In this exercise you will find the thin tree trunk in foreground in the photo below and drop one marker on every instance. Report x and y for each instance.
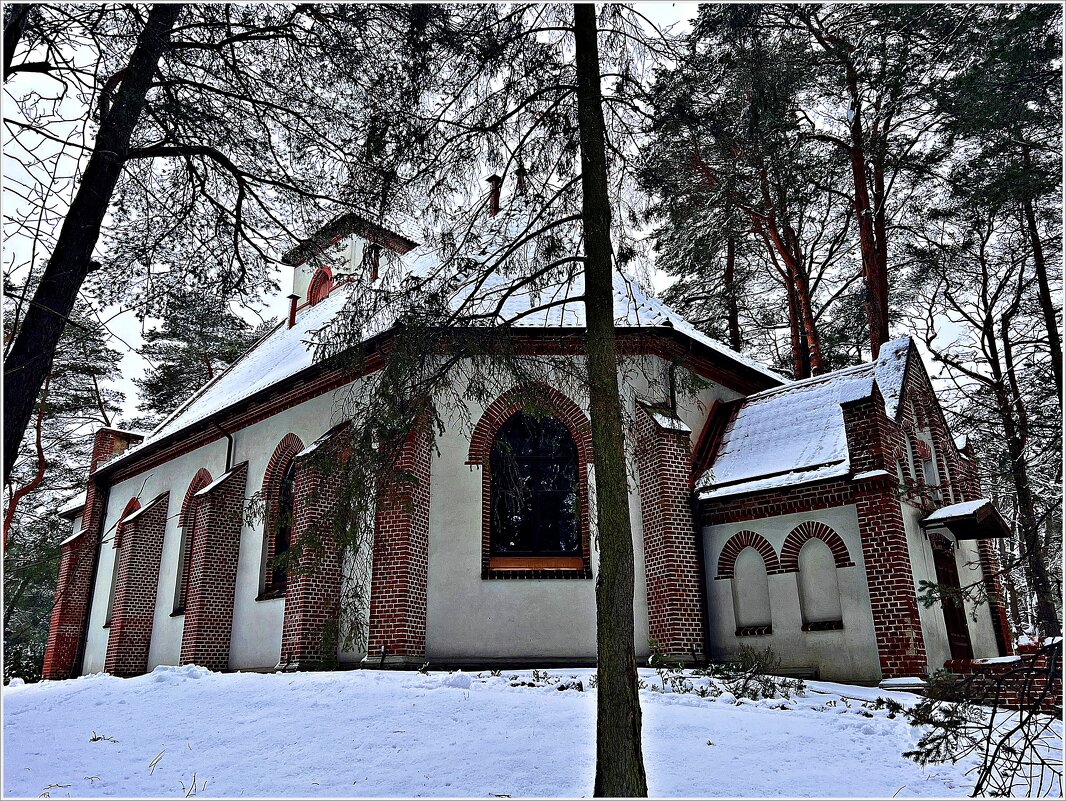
(1047, 305)
(732, 312)
(619, 760)
(30, 358)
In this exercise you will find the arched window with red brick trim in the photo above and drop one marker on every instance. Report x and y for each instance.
(534, 447)
(279, 499)
(321, 283)
(187, 527)
(535, 507)
(132, 506)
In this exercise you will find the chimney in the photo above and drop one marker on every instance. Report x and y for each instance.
(494, 194)
(293, 300)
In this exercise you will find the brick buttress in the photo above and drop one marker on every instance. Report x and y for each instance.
(213, 574)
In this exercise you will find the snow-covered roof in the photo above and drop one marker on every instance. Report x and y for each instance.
(956, 510)
(75, 504)
(795, 434)
(283, 352)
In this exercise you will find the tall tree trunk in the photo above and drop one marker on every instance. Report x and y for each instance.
(732, 312)
(1047, 305)
(619, 758)
(1015, 433)
(875, 281)
(803, 299)
(18, 14)
(30, 358)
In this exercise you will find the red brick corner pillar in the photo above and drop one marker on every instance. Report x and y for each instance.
(213, 576)
(671, 555)
(893, 599)
(140, 553)
(313, 594)
(397, 635)
(77, 563)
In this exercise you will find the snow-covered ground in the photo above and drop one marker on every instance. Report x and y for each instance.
(369, 733)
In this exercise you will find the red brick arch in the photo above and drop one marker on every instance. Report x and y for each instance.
(737, 543)
(131, 506)
(188, 508)
(284, 453)
(812, 530)
(321, 284)
(499, 412)
(514, 400)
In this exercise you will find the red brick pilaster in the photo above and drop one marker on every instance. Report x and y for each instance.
(671, 558)
(313, 592)
(213, 575)
(139, 540)
(893, 600)
(401, 560)
(77, 562)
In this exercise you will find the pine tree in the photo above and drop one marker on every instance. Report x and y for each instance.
(199, 338)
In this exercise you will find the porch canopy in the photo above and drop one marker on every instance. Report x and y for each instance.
(971, 520)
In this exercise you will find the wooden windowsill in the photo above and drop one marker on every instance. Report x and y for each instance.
(536, 563)
(272, 595)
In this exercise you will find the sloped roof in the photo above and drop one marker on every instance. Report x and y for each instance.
(795, 433)
(284, 352)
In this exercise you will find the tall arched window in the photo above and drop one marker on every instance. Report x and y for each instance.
(279, 511)
(818, 588)
(131, 506)
(751, 594)
(535, 506)
(187, 525)
(279, 572)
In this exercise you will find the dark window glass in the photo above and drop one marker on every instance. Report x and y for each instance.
(534, 489)
(283, 528)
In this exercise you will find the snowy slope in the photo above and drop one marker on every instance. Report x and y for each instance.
(368, 733)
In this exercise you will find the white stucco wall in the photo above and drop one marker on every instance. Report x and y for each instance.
(467, 617)
(848, 654)
(471, 618)
(256, 635)
(934, 630)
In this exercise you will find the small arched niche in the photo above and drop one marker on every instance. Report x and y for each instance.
(818, 588)
(751, 594)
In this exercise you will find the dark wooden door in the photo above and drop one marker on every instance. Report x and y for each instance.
(947, 574)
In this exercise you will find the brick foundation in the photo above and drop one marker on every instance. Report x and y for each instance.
(77, 565)
(671, 556)
(397, 632)
(139, 540)
(1033, 681)
(313, 594)
(213, 574)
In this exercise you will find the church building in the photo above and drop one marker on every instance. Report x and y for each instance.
(802, 515)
